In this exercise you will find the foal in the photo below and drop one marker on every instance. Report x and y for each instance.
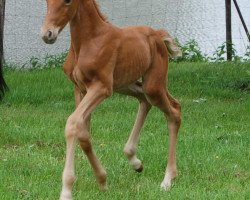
(104, 58)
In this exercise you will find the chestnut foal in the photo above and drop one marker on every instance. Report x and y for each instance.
(104, 58)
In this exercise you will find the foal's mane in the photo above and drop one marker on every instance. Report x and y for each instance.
(103, 17)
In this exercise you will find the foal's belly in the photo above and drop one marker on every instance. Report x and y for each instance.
(132, 62)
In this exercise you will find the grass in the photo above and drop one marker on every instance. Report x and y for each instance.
(213, 144)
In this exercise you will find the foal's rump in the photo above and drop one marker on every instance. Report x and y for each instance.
(143, 32)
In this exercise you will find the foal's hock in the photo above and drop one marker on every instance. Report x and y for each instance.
(104, 58)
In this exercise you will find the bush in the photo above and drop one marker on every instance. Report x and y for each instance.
(191, 52)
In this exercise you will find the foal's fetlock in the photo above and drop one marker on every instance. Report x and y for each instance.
(66, 196)
(129, 152)
(102, 180)
(169, 177)
(68, 178)
(68, 181)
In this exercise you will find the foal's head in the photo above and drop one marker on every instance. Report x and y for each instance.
(59, 13)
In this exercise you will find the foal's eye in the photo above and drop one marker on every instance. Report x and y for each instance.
(67, 1)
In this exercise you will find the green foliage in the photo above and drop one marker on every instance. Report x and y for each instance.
(220, 54)
(246, 57)
(55, 61)
(213, 155)
(192, 53)
(50, 61)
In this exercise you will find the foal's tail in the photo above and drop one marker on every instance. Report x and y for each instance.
(173, 49)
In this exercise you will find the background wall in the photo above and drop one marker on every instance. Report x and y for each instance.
(201, 20)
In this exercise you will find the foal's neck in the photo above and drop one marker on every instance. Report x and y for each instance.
(87, 23)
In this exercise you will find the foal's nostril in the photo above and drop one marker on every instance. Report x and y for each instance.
(50, 34)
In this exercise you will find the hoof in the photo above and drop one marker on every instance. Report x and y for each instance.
(136, 164)
(103, 187)
(166, 185)
(140, 169)
(65, 196)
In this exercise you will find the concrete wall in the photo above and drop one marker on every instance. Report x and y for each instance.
(201, 20)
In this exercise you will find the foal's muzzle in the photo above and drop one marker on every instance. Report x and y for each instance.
(49, 36)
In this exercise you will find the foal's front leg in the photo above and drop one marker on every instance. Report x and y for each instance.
(77, 128)
(78, 98)
(78, 95)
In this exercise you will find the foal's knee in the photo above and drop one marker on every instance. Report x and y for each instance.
(70, 129)
(77, 128)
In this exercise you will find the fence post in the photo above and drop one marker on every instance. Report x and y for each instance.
(2, 15)
(242, 19)
(229, 30)
(3, 86)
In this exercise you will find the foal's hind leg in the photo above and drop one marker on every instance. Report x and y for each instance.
(136, 91)
(155, 90)
(174, 122)
(130, 147)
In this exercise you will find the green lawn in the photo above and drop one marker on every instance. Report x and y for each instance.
(213, 144)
